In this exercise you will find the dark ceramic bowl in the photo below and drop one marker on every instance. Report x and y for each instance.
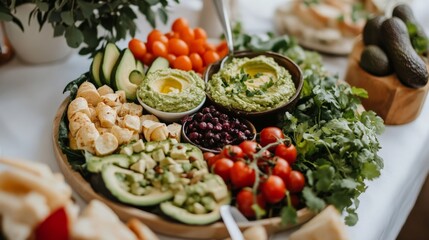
(186, 139)
(270, 116)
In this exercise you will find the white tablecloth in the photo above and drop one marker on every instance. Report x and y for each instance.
(31, 94)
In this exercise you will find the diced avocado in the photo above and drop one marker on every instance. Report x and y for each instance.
(175, 168)
(216, 186)
(199, 209)
(167, 161)
(115, 186)
(139, 166)
(169, 178)
(122, 72)
(194, 153)
(110, 57)
(208, 202)
(157, 64)
(182, 215)
(95, 69)
(95, 164)
(158, 155)
(165, 146)
(151, 146)
(178, 151)
(180, 198)
(138, 146)
(150, 163)
(127, 150)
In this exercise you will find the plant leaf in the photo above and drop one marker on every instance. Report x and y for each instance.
(67, 18)
(163, 15)
(73, 36)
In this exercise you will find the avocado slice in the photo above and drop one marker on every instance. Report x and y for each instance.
(95, 69)
(182, 215)
(115, 186)
(95, 164)
(110, 56)
(124, 72)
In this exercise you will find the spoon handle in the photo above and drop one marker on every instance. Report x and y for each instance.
(231, 225)
(226, 25)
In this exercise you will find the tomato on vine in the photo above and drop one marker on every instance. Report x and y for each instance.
(242, 175)
(248, 147)
(270, 135)
(287, 152)
(222, 167)
(245, 200)
(281, 169)
(273, 189)
(295, 181)
(233, 152)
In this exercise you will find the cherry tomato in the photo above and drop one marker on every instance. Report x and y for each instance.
(54, 227)
(222, 167)
(248, 147)
(242, 175)
(178, 47)
(197, 46)
(270, 135)
(208, 155)
(288, 153)
(210, 57)
(294, 199)
(183, 63)
(148, 59)
(153, 36)
(282, 169)
(171, 35)
(211, 161)
(273, 189)
(159, 49)
(170, 57)
(209, 46)
(186, 34)
(137, 47)
(200, 33)
(233, 152)
(295, 182)
(221, 46)
(197, 61)
(245, 200)
(179, 24)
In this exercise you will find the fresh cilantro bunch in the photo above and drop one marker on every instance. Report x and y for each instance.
(336, 139)
(337, 143)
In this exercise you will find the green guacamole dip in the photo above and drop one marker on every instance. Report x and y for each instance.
(251, 85)
(172, 90)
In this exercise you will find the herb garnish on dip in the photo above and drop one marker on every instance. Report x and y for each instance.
(172, 90)
(251, 85)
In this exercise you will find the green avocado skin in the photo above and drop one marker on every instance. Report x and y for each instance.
(371, 30)
(407, 64)
(405, 13)
(375, 61)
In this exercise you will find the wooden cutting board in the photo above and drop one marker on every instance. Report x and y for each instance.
(157, 223)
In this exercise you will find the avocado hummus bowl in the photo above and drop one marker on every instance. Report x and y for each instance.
(254, 85)
(171, 94)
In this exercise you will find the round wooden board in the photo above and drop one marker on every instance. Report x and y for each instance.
(157, 223)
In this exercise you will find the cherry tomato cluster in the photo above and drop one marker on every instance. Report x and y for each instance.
(261, 172)
(185, 48)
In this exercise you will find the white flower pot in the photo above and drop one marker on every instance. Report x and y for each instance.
(34, 46)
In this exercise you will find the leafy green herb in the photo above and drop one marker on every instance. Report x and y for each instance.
(336, 141)
(418, 39)
(80, 20)
(311, 2)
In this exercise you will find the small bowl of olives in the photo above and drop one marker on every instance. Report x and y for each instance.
(210, 130)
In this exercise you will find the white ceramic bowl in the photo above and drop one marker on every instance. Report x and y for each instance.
(170, 116)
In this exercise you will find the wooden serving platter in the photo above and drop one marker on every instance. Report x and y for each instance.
(155, 222)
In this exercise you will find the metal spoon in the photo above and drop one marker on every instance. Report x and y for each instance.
(231, 225)
(222, 13)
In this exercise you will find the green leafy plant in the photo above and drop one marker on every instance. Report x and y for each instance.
(79, 20)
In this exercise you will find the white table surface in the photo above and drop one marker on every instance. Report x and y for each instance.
(31, 94)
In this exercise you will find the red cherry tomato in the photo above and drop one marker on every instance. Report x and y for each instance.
(179, 24)
(294, 199)
(245, 200)
(178, 47)
(137, 47)
(222, 167)
(274, 189)
(233, 152)
(159, 49)
(295, 182)
(54, 227)
(208, 155)
(282, 169)
(211, 161)
(288, 153)
(248, 147)
(242, 175)
(270, 135)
